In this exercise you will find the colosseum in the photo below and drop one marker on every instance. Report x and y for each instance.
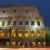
(21, 26)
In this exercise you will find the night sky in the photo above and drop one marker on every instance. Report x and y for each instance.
(42, 5)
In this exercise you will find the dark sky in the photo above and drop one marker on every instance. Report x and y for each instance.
(42, 5)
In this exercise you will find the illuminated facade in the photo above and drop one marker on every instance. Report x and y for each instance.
(21, 26)
(47, 37)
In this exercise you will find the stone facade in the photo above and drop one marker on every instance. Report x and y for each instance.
(21, 25)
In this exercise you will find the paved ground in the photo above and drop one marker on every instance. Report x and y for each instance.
(24, 48)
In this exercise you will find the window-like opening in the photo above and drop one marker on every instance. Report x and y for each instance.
(20, 22)
(14, 23)
(26, 22)
(9, 22)
(32, 23)
(3, 11)
(38, 23)
(27, 10)
(3, 22)
(14, 10)
(20, 33)
(26, 33)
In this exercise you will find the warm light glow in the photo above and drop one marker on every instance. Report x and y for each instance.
(44, 34)
(26, 34)
(39, 43)
(1, 34)
(8, 34)
(8, 43)
(21, 26)
(32, 33)
(13, 43)
(19, 43)
(34, 43)
(13, 33)
(38, 34)
(19, 34)
(44, 43)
